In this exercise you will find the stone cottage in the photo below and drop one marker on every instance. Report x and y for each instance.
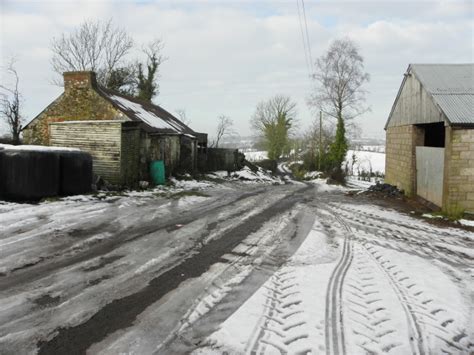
(430, 136)
(123, 134)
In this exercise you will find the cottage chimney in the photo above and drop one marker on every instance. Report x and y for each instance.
(76, 80)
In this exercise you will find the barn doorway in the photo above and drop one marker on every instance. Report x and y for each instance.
(430, 162)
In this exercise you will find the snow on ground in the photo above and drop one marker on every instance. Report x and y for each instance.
(400, 285)
(286, 322)
(366, 161)
(394, 295)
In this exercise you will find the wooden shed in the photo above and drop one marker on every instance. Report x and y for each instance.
(430, 136)
(123, 134)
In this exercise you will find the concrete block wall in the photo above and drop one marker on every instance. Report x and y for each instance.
(459, 172)
(400, 158)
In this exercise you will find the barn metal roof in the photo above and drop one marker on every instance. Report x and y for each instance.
(452, 89)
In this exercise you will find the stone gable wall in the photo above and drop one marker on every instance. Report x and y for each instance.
(75, 104)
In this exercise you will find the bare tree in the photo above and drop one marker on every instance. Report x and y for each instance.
(224, 128)
(181, 113)
(340, 77)
(10, 103)
(94, 45)
(274, 119)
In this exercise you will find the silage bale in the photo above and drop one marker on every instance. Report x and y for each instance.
(29, 175)
(1, 172)
(75, 173)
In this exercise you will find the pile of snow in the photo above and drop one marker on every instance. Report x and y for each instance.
(365, 161)
(466, 222)
(190, 184)
(37, 148)
(246, 175)
(311, 175)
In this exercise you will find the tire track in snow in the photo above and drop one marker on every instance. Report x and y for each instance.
(434, 318)
(280, 327)
(335, 339)
(370, 310)
(433, 325)
(416, 340)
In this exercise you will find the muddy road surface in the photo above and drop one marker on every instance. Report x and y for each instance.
(236, 269)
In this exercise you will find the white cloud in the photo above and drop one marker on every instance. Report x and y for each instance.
(224, 57)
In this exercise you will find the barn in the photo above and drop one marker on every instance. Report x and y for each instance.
(123, 134)
(430, 136)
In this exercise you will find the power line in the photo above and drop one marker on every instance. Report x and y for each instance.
(305, 49)
(307, 39)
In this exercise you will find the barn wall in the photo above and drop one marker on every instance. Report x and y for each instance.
(130, 156)
(102, 139)
(414, 105)
(79, 102)
(459, 172)
(400, 157)
(161, 147)
(188, 154)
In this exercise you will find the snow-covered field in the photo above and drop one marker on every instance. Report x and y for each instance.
(365, 161)
(254, 156)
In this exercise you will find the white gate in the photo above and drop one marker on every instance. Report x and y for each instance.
(430, 174)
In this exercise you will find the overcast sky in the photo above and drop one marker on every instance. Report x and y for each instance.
(226, 56)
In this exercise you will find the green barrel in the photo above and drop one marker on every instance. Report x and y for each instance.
(157, 172)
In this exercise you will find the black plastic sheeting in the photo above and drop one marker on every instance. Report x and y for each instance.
(29, 175)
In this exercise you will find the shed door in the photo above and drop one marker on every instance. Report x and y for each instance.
(430, 174)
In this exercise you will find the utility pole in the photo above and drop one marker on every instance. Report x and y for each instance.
(320, 139)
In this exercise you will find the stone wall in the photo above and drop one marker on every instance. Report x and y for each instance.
(459, 171)
(79, 102)
(400, 158)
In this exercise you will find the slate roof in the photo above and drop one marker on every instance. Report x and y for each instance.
(155, 119)
(452, 88)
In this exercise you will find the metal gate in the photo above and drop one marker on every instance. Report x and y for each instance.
(430, 174)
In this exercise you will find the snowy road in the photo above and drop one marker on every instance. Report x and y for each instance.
(260, 269)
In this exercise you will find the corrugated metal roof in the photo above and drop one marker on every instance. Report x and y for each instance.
(452, 89)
